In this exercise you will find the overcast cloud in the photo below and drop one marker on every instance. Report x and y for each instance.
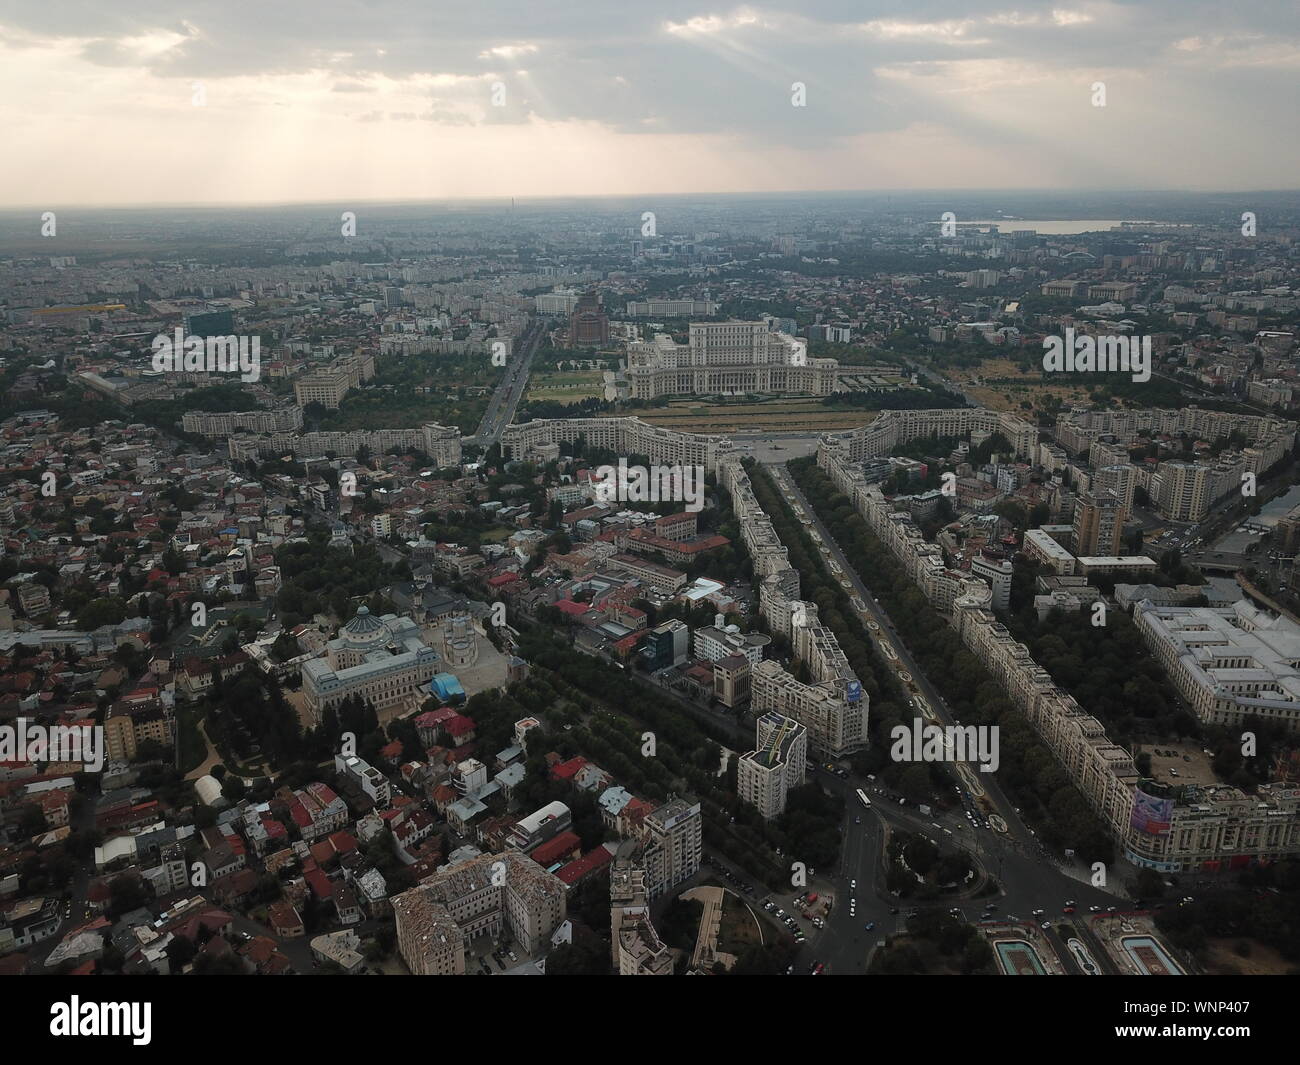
(375, 100)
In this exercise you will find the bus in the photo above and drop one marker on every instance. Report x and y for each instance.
(862, 798)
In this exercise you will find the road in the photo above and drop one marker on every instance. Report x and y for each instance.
(505, 400)
(1000, 804)
(1029, 877)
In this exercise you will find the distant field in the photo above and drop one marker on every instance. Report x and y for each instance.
(1002, 386)
(565, 387)
(778, 415)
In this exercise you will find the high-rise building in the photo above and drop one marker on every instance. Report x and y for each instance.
(998, 575)
(674, 845)
(635, 945)
(588, 324)
(666, 645)
(777, 764)
(731, 680)
(1119, 480)
(1183, 490)
(836, 727)
(1098, 525)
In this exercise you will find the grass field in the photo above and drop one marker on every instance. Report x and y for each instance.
(565, 387)
(1260, 959)
(740, 927)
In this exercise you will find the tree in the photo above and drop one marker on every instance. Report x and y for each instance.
(32, 821)
(180, 952)
(586, 956)
(223, 965)
(125, 893)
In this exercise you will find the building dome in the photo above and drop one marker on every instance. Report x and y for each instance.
(364, 623)
(363, 633)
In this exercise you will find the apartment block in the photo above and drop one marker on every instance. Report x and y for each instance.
(635, 945)
(1205, 829)
(674, 845)
(778, 764)
(478, 897)
(1098, 524)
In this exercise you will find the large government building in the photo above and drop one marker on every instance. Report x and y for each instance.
(1229, 663)
(382, 660)
(727, 358)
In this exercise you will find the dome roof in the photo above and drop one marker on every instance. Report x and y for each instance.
(364, 624)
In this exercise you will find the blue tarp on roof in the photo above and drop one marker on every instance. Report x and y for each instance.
(446, 685)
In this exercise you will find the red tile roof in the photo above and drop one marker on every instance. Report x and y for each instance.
(584, 866)
(553, 850)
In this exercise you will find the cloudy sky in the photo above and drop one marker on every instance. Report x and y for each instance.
(337, 100)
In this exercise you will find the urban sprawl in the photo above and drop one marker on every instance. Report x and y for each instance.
(512, 590)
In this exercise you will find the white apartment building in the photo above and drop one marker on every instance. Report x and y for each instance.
(1042, 547)
(713, 644)
(221, 424)
(1229, 663)
(833, 708)
(1118, 480)
(624, 436)
(894, 427)
(778, 763)
(440, 442)
(674, 845)
(369, 779)
(329, 385)
(561, 301)
(1270, 438)
(998, 577)
(1183, 490)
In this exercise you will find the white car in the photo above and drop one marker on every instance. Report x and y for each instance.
(853, 883)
